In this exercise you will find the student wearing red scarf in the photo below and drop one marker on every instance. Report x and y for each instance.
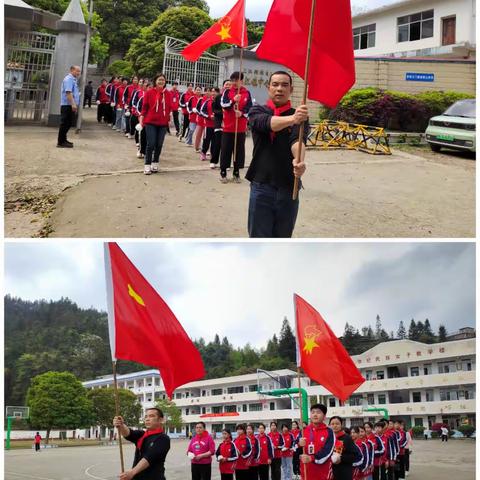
(277, 442)
(361, 470)
(200, 451)
(276, 161)
(184, 98)
(318, 442)
(156, 109)
(206, 111)
(266, 452)
(227, 455)
(297, 434)
(346, 454)
(244, 448)
(152, 447)
(255, 456)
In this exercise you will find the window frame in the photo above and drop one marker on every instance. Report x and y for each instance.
(410, 21)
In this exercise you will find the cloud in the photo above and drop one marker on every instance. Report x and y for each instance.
(243, 290)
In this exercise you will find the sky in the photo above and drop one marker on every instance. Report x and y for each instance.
(257, 10)
(244, 290)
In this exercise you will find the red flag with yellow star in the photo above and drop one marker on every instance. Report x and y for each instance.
(321, 355)
(142, 328)
(232, 28)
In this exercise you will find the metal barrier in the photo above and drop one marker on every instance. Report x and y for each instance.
(28, 74)
(349, 136)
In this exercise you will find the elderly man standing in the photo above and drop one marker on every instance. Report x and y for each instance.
(70, 100)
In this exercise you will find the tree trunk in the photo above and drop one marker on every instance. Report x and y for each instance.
(48, 436)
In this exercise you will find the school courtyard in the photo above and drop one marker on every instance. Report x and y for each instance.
(431, 460)
(97, 189)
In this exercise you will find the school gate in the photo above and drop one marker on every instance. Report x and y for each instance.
(28, 73)
(208, 71)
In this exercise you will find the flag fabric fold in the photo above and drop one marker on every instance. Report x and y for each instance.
(321, 355)
(332, 65)
(142, 328)
(232, 28)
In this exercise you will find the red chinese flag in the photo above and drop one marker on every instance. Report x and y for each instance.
(232, 28)
(142, 327)
(321, 355)
(285, 41)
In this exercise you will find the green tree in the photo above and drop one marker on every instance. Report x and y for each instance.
(287, 345)
(401, 332)
(121, 68)
(201, 4)
(147, 49)
(103, 406)
(254, 33)
(58, 400)
(378, 327)
(412, 330)
(173, 414)
(442, 333)
(272, 347)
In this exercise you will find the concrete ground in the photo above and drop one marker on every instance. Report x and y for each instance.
(431, 460)
(97, 190)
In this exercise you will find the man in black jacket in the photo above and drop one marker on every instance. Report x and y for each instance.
(152, 447)
(276, 160)
(218, 125)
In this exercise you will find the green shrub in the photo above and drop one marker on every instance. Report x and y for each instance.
(467, 430)
(121, 68)
(435, 434)
(418, 430)
(391, 109)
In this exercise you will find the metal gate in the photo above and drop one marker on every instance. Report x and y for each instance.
(208, 71)
(28, 73)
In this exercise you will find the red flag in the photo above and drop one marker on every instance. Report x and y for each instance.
(142, 327)
(285, 41)
(232, 28)
(321, 355)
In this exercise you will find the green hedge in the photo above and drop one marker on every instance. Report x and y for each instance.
(417, 431)
(391, 109)
(467, 430)
(121, 68)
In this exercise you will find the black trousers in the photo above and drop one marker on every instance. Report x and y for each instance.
(253, 473)
(228, 141)
(391, 472)
(201, 471)
(407, 459)
(296, 461)
(37, 447)
(186, 123)
(216, 146)
(400, 467)
(143, 141)
(207, 139)
(176, 122)
(67, 121)
(444, 438)
(133, 124)
(87, 100)
(276, 467)
(263, 472)
(155, 136)
(128, 120)
(226, 476)
(241, 475)
(103, 111)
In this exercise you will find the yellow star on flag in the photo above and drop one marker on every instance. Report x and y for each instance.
(224, 32)
(309, 344)
(135, 296)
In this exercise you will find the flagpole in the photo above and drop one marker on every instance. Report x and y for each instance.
(305, 90)
(117, 413)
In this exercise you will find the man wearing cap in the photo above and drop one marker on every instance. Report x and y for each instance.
(318, 442)
(152, 447)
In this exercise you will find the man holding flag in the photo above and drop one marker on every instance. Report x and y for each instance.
(152, 446)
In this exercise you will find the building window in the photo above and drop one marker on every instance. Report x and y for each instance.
(429, 395)
(364, 37)
(253, 388)
(331, 402)
(178, 395)
(204, 410)
(355, 400)
(382, 399)
(414, 372)
(235, 390)
(204, 393)
(218, 409)
(244, 407)
(217, 391)
(418, 422)
(446, 395)
(415, 27)
(427, 369)
(368, 375)
(272, 405)
(380, 374)
(371, 399)
(255, 407)
(416, 397)
(230, 408)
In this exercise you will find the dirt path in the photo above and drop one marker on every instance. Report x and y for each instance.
(97, 190)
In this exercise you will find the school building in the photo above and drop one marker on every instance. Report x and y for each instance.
(419, 383)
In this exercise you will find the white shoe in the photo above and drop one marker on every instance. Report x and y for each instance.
(407, 473)
(137, 144)
(127, 135)
(179, 139)
(139, 155)
(212, 166)
(154, 167)
(114, 127)
(147, 170)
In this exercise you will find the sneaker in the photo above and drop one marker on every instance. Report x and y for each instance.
(137, 144)
(209, 155)
(197, 150)
(64, 145)
(139, 154)
(203, 157)
(127, 135)
(180, 139)
(212, 166)
(236, 177)
(147, 170)
(114, 127)
(70, 143)
(406, 474)
(154, 167)
(189, 144)
(223, 180)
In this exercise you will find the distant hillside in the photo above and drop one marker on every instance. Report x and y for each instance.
(58, 335)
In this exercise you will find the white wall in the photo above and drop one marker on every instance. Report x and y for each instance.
(386, 26)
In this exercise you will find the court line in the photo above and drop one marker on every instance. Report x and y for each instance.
(30, 476)
(91, 475)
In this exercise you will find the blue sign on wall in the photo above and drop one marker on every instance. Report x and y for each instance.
(419, 77)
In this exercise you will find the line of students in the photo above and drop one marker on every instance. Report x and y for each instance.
(318, 451)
